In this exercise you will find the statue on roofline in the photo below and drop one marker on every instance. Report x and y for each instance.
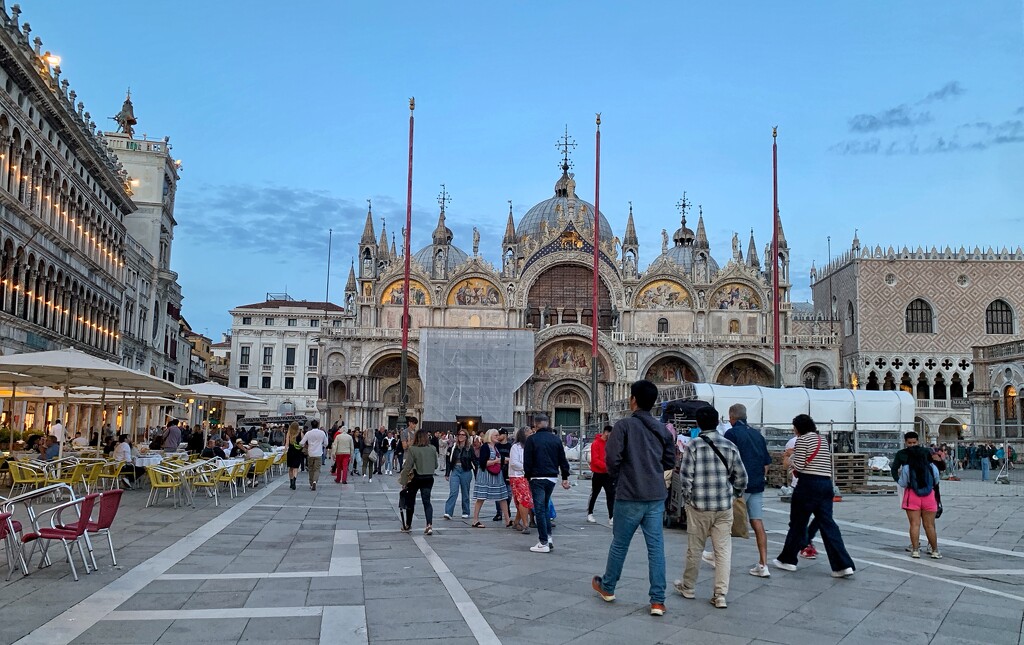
(126, 117)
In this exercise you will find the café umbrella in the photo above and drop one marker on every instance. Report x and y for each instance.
(71, 368)
(14, 379)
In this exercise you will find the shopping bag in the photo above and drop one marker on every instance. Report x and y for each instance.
(740, 526)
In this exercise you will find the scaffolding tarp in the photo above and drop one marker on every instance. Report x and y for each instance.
(473, 372)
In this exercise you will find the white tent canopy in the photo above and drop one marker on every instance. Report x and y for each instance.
(211, 390)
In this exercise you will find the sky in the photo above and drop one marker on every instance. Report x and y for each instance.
(899, 120)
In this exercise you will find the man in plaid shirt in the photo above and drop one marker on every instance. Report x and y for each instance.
(710, 483)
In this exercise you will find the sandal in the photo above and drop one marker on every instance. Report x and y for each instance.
(509, 525)
(406, 529)
(478, 525)
(428, 531)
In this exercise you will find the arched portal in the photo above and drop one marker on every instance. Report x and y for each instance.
(336, 392)
(563, 294)
(950, 430)
(745, 371)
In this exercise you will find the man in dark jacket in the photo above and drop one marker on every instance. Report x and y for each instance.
(754, 454)
(637, 455)
(543, 460)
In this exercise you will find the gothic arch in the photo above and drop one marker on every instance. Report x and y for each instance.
(568, 383)
(745, 369)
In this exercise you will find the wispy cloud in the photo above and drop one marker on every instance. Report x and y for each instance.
(963, 137)
(901, 116)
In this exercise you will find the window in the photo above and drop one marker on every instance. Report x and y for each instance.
(269, 322)
(311, 383)
(336, 323)
(266, 383)
(314, 323)
(246, 320)
(293, 322)
(243, 382)
(243, 357)
(268, 355)
(848, 323)
(919, 317)
(289, 382)
(663, 325)
(289, 356)
(999, 318)
(314, 356)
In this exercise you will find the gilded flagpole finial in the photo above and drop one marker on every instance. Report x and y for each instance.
(599, 119)
(412, 103)
(775, 131)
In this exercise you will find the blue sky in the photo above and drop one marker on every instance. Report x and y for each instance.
(904, 120)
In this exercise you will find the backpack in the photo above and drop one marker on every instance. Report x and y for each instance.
(924, 488)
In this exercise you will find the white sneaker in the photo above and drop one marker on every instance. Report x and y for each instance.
(364, 475)
(465, 516)
(551, 544)
(689, 594)
(761, 571)
(447, 516)
(843, 573)
(590, 518)
(784, 566)
(611, 521)
(708, 557)
(540, 548)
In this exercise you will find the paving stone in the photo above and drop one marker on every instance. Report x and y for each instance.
(278, 629)
(203, 631)
(109, 632)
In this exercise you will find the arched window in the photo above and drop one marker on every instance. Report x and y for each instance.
(662, 325)
(849, 318)
(999, 318)
(919, 317)
(734, 326)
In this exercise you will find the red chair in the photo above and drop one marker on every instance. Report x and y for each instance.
(66, 533)
(9, 528)
(109, 502)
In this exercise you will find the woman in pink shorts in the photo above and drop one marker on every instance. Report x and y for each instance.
(919, 477)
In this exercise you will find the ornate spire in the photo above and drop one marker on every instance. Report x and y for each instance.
(510, 228)
(369, 237)
(752, 259)
(701, 240)
(350, 286)
(630, 239)
(566, 185)
(394, 251)
(782, 234)
(856, 241)
(442, 234)
(683, 236)
(382, 245)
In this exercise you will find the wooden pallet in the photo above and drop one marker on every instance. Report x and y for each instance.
(872, 490)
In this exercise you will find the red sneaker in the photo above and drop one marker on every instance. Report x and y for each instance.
(657, 609)
(596, 584)
(809, 552)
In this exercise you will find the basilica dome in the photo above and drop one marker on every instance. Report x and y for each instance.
(685, 256)
(424, 257)
(551, 209)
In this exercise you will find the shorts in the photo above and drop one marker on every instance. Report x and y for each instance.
(914, 502)
(755, 505)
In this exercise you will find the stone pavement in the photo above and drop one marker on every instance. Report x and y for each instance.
(278, 566)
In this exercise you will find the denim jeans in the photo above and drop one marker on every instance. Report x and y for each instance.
(813, 496)
(389, 461)
(985, 464)
(540, 490)
(357, 462)
(629, 516)
(459, 480)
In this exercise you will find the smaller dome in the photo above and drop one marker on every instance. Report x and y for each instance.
(683, 235)
(684, 257)
(425, 257)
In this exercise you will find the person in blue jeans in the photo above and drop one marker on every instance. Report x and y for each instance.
(638, 452)
(459, 474)
(543, 461)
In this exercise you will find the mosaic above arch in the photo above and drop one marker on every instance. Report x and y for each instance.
(566, 357)
(663, 294)
(735, 296)
(671, 370)
(418, 294)
(475, 292)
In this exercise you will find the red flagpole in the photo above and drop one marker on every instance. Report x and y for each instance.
(776, 304)
(404, 384)
(596, 296)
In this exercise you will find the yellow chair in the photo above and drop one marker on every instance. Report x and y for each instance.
(161, 480)
(260, 468)
(208, 479)
(91, 479)
(227, 476)
(110, 473)
(26, 477)
(70, 474)
(280, 463)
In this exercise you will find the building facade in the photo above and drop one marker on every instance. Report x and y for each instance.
(684, 317)
(158, 343)
(909, 318)
(995, 402)
(64, 201)
(275, 355)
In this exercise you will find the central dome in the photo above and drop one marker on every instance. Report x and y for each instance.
(550, 210)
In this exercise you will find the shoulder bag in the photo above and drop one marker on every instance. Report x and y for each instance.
(740, 525)
(494, 469)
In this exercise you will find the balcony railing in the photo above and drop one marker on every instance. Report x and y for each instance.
(956, 403)
(721, 339)
(289, 369)
(1012, 349)
(375, 333)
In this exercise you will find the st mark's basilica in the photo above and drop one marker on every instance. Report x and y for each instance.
(685, 317)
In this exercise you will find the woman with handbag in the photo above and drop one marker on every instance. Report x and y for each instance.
(421, 458)
(371, 454)
(490, 483)
(458, 473)
(812, 461)
(520, 486)
(357, 451)
(294, 456)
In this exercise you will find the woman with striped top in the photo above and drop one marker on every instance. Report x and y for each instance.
(812, 460)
